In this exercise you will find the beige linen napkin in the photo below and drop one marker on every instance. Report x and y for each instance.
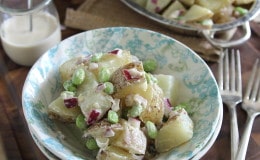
(94, 14)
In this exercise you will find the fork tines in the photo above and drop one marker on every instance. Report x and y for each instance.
(232, 71)
(253, 83)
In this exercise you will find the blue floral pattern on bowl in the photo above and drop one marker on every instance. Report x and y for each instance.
(197, 83)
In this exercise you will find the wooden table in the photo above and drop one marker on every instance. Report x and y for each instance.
(19, 144)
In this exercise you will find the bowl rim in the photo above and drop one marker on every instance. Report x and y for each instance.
(126, 28)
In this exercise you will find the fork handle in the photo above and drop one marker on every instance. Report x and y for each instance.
(234, 132)
(241, 154)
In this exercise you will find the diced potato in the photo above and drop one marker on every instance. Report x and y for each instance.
(57, 110)
(176, 131)
(214, 5)
(188, 2)
(224, 15)
(154, 110)
(197, 13)
(114, 61)
(126, 86)
(156, 6)
(94, 101)
(89, 84)
(67, 69)
(170, 12)
(131, 139)
(169, 86)
(114, 153)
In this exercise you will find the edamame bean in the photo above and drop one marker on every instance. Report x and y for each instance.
(135, 111)
(69, 86)
(150, 78)
(91, 143)
(109, 88)
(151, 129)
(78, 76)
(112, 116)
(149, 65)
(103, 75)
(80, 121)
(241, 11)
(96, 57)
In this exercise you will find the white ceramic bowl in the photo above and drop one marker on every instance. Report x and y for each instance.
(198, 87)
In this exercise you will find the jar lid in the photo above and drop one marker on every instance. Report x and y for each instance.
(21, 7)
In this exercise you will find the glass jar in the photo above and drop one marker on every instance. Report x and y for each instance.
(28, 29)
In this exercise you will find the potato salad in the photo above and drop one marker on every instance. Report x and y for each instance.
(123, 110)
(200, 13)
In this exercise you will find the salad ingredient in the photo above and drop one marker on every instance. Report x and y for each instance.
(176, 131)
(197, 13)
(103, 75)
(66, 70)
(135, 111)
(91, 144)
(149, 65)
(115, 153)
(58, 110)
(154, 111)
(129, 79)
(78, 76)
(169, 86)
(112, 117)
(80, 121)
(94, 106)
(131, 137)
(69, 86)
(109, 87)
(151, 129)
(239, 11)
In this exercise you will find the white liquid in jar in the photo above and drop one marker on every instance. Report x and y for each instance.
(24, 46)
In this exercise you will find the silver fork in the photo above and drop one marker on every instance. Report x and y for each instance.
(230, 85)
(251, 104)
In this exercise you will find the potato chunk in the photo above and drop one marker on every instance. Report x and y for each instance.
(129, 79)
(214, 5)
(114, 153)
(154, 110)
(132, 138)
(67, 69)
(169, 86)
(176, 131)
(57, 110)
(197, 13)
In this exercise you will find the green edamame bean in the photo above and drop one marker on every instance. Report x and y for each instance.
(96, 57)
(112, 116)
(78, 76)
(135, 111)
(109, 87)
(91, 143)
(151, 129)
(149, 65)
(80, 121)
(103, 75)
(69, 86)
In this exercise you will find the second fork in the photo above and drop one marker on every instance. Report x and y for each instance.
(230, 85)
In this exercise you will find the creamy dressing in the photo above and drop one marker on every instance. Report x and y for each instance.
(25, 47)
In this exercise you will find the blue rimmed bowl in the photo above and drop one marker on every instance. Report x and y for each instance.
(197, 87)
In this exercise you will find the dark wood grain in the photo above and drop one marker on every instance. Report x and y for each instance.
(19, 144)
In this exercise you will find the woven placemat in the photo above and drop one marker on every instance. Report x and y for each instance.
(94, 14)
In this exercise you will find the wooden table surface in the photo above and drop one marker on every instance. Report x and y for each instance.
(18, 143)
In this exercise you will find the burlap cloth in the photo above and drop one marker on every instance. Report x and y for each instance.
(94, 14)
